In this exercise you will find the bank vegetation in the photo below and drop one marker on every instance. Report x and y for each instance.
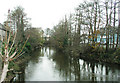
(19, 40)
(92, 32)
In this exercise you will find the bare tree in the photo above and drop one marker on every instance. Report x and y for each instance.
(10, 51)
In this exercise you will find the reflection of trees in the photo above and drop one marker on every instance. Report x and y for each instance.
(67, 66)
(35, 59)
(35, 56)
(62, 64)
(46, 51)
(71, 69)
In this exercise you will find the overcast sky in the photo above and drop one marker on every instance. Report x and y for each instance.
(43, 13)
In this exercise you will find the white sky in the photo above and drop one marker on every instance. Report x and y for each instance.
(43, 13)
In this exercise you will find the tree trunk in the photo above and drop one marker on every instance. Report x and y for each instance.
(4, 71)
(5, 66)
(95, 22)
(110, 21)
(114, 22)
(106, 26)
(118, 24)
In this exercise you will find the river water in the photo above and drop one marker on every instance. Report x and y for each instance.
(49, 65)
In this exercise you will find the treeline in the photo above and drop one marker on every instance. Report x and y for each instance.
(92, 31)
(21, 23)
(20, 38)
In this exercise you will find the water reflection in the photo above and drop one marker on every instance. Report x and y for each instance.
(50, 65)
(78, 69)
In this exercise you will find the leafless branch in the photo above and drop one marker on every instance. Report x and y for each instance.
(18, 56)
(13, 42)
(22, 48)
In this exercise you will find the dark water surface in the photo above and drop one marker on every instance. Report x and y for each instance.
(49, 65)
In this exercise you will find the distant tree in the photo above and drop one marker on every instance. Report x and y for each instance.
(20, 21)
(35, 36)
(47, 31)
(59, 37)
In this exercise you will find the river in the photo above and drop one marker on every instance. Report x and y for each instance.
(49, 65)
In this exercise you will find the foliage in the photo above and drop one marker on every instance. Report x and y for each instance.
(28, 48)
(36, 37)
(19, 22)
(59, 38)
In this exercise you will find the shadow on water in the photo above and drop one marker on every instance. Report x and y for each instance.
(49, 65)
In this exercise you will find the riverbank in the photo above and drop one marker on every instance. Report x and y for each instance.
(99, 54)
(18, 63)
(16, 68)
(88, 55)
(58, 66)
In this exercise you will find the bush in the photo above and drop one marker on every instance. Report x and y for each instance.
(28, 48)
